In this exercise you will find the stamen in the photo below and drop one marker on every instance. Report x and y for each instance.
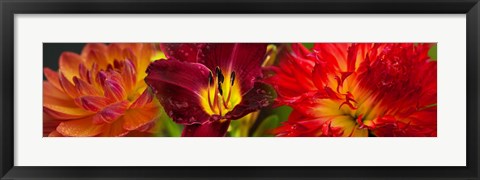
(215, 100)
(225, 104)
(219, 106)
(219, 99)
(210, 79)
(220, 90)
(219, 74)
(360, 119)
(232, 77)
(348, 99)
(210, 83)
(232, 80)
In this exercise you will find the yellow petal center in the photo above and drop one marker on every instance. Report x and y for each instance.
(222, 94)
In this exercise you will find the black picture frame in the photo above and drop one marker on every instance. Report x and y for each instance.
(9, 8)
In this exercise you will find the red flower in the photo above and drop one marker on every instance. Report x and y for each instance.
(340, 89)
(204, 86)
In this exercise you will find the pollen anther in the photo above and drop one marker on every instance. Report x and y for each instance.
(219, 101)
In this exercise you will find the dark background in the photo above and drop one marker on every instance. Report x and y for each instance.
(52, 52)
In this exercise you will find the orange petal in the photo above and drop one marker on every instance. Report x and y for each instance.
(115, 129)
(115, 51)
(52, 77)
(64, 113)
(85, 74)
(133, 46)
(129, 75)
(55, 134)
(143, 99)
(111, 113)
(129, 54)
(92, 103)
(113, 89)
(58, 105)
(80, 127)
(357, 132)
(99, 57)
(52, 95)
(84, 88)
(68, 87)
(69, 63)
(136, 118)
(100, 47)
(145, 57)
(49, 124)
(95, 75)
(147, 127)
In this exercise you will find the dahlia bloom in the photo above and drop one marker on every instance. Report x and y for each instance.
(205, 86)
(100, 92)
(340, 89)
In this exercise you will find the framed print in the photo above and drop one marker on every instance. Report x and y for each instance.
(239, 89)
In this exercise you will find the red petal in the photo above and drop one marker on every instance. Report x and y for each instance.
(177, 86)
(333, 53)
(294, 76)
(260, 96)
(214, 129)
(243, 58)
(189, 52)
(300, 50)
(319, 76)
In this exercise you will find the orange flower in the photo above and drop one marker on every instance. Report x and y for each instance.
(100, 92)
(365, 89)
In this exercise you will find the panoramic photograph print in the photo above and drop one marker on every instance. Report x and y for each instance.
(240, 89)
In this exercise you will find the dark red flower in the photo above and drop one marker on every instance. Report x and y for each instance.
(340, 89)
(205, 86)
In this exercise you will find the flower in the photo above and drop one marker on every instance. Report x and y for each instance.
(100, 92)
(365, 89)
(205, 86)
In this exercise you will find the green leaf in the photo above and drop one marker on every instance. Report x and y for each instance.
(167, 127)
(282, 112)
(266, 126)
(173, 129)
(308, 45)
(234, 130)
(433, 52)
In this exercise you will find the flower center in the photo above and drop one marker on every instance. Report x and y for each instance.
(362, 111)
(222, 94)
